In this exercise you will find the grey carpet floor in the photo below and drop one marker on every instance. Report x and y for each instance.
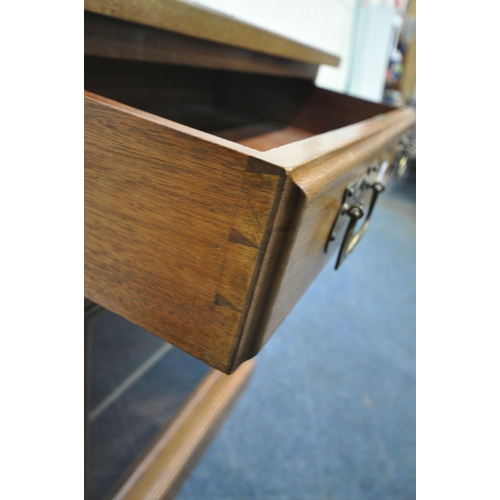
(330, 410)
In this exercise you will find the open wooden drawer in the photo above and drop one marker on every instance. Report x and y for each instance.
(210, 196)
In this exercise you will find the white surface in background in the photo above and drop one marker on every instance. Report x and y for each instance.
(324, 24)
(372, 46)
(360, 32)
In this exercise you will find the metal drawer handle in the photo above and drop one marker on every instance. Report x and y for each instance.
(355, 213)
(402, 156)
(400, 165)
(353, 208)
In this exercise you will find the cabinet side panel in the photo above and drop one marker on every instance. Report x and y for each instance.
(159, 212)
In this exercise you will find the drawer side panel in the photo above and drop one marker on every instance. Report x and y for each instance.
(170, 222)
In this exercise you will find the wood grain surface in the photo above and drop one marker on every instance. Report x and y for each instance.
(163, 468)
(308, 206)
(208, 243)
(175, 229)
(112, 38)
(322, 187)
(199, 22)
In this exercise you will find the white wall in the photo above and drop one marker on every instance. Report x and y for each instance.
(373, 36)
(358, 31)
(325, 24)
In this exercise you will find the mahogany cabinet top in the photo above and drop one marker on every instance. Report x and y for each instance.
(198, 22)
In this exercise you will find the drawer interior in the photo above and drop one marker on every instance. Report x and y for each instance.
(259, 111)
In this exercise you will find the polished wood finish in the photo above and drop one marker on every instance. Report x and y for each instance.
(318, 171)
(112, 38)
(196, 21)
(175, 227)
(322, 183)
(209, 193)
(228, 104)
(204, 241)
(163, 468)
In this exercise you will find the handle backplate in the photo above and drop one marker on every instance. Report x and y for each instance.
(352, 210)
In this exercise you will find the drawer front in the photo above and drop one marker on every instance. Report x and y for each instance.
(208, 238)
(312, 201)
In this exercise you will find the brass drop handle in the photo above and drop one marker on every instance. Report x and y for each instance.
(356, 212)
(401, 166)
(401, 158)
(352, 207)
